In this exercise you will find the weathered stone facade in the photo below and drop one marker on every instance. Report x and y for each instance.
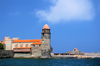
(34, 48)
(46, 48)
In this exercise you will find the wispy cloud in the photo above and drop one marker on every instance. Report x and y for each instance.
(67, 10)
(14, 13)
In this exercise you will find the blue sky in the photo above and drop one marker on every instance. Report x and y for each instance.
(73, 23)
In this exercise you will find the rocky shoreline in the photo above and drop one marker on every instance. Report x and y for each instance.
(86, 55)
(71, 54)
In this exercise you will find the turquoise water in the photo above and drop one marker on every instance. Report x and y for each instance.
(49, 62)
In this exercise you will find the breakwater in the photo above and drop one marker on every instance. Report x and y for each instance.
(6, 54)
(86, 55)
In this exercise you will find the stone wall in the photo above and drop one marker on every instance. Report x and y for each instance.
(6, 53)
(46, 53)
(22, 55)
(86, 56)
(46, 48)
(92, 54)
(36, 50)
(62, 56)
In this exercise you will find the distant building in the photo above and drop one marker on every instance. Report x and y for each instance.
(75, 52)
(75, 49)
(8, 43)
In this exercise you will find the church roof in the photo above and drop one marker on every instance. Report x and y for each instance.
(46, 26)
(35, 41)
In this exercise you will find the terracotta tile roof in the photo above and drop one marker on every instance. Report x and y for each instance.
(22, 47)
(35, 40)
(36, 43)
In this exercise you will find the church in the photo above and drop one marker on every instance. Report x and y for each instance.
(38, 48)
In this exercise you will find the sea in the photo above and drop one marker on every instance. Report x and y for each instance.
(49, 62)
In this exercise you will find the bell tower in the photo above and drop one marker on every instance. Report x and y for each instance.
(46, 48)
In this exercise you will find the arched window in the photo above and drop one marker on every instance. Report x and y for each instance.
(34, 45)
(26, 45)
(16, 45)
(47, 31)
(21, 45)
(43, 31)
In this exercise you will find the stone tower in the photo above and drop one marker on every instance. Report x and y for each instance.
(46, 48)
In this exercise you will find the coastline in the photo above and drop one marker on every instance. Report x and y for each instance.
(85, 56)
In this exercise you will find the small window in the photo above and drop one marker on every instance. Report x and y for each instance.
(8, 41)
(39, 45)
(43, 31)
(21, 45)
(26, 45)
(34, 45)
(6, 47)
(9, 44)
(6, 44)
(42, 40)
(9, 47)
(16, 45)
(47, 31)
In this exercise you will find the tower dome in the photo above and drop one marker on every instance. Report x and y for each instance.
(46, 26)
